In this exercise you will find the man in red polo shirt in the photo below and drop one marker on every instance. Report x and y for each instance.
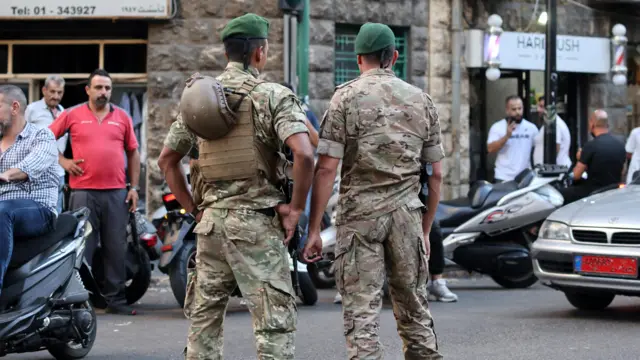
(99, 132)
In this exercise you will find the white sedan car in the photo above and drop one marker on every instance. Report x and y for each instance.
(590, 249)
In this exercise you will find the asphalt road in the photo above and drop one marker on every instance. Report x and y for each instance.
(486, 323)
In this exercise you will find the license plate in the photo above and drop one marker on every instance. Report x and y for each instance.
(606, 265)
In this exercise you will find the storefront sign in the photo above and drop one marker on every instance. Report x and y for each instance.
(526, 51)
(89, 9)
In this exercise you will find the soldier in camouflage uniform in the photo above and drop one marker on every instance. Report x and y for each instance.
(242, 223)
(384, 130)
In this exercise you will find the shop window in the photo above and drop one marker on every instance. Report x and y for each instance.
(346, 65)
(4, 59)
(47, 59)
(125, 58)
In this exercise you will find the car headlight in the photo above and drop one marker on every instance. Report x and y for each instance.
(554, 230)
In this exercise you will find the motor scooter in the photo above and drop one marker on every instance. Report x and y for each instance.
(490, 230)
(142, 248)
(44, 304)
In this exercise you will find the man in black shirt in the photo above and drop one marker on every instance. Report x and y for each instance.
(602, 158)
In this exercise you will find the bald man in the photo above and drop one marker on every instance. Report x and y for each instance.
(602, 158)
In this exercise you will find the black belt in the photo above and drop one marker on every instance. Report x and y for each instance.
(270, 212)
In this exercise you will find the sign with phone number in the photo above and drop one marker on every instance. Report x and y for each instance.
(67, 9)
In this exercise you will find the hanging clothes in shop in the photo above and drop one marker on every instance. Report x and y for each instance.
(143, 130)
(136, 116)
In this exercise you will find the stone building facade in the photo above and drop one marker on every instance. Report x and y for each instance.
(191, 42)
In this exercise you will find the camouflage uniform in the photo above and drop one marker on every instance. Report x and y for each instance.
(383, 129)
(239, 246)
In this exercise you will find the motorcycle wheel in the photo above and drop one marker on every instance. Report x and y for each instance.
(309, 293)
(140, 279)
(184, 262)
(321, 277)
(73, 350)
(521, 282)
(138, 274)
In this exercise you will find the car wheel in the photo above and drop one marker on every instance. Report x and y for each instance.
(589, 301)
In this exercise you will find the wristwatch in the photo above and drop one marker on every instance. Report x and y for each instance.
(136, 188)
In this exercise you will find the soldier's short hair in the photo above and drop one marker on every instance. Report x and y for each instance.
(234, 47)
(383, 56)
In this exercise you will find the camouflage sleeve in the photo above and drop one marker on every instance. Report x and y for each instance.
(179, 138)
(288, 116)
(432, 150)
(333, 132)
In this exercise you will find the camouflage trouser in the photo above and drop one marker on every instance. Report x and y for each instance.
(241, 247)
(395, 240)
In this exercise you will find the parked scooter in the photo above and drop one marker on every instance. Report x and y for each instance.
(490, 230)
(44, 304)
(142, 247)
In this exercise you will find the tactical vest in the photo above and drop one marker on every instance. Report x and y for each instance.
(239, 155)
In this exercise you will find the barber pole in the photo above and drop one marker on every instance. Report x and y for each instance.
(619, 68)
(492, 47)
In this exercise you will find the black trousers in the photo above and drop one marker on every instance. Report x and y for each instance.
(577, 191)
(109, 217)
(436, 259)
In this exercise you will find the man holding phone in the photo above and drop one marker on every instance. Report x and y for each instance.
(512, 138)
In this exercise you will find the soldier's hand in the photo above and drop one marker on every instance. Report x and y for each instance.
(289, 220)
(313, 249)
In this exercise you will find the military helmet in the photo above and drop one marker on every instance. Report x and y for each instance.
(204, 108)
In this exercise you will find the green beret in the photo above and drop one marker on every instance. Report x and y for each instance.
(248, 25)
(373, 37)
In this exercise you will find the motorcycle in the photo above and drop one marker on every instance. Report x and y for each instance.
(490, 230)
(44, 304)
(182, 261)
(142, 248)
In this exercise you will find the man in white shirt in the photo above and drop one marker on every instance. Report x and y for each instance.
(42, 113)
(633, 153)
(563, 140)
(512, 138)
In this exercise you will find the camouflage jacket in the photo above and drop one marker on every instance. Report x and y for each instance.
(277, 114)
(384, 130)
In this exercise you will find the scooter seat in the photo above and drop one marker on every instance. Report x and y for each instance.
(484, 195)
(455, 212)
(25, 249)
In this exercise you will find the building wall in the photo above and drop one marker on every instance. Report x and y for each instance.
(429, 61)
(576, 20)
(189, 43)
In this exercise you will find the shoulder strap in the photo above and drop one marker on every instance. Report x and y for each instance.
(346, 83)
(245, 89)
